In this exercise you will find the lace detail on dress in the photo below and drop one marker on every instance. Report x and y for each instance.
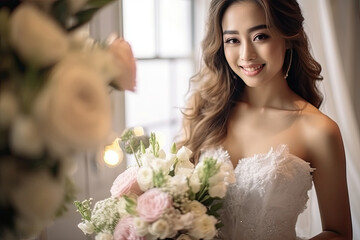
(269, 194)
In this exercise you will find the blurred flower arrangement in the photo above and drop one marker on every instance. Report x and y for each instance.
(54, 104)
(163, 197)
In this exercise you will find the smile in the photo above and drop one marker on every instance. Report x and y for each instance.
(252, 70)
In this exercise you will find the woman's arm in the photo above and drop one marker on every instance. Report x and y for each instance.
(328, 157)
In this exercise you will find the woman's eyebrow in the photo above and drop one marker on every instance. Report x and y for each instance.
(258, 27)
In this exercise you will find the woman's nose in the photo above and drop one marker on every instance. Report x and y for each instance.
(247, 52)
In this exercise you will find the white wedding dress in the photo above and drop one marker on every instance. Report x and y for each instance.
(271, 190)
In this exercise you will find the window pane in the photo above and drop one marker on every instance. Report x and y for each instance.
(175, 28)
(139, 26)
(150, 104)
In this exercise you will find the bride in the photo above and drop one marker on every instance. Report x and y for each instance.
(256, 99)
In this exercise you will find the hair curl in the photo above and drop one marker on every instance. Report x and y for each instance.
(215, 89)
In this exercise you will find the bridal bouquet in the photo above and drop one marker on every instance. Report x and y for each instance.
(54, 104)
(164, 197)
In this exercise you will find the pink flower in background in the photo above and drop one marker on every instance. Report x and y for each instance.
(125, 230)
(126, 183)
(152, 204)
(125, 61)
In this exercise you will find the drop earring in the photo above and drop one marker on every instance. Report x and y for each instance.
(288, 68)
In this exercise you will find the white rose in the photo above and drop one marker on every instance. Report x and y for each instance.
(160, 228)
(185, 221)
(36, 36)
(218, 190)
(86, 227)
(104, 236)
(145, 178)
(204, 227)
(196, 208)
(74, 108)
(141, 227)
(38, 195)
(25, 138)
(8, 108)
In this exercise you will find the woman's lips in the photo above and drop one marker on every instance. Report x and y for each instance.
(252, 70)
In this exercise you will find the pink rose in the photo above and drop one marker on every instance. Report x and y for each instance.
(126, 183)
(125, 61)
(152, 204)
(125, 230)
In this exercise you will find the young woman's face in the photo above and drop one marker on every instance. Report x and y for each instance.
(254, 52)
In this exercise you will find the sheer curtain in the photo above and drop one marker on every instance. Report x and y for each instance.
(332, 27)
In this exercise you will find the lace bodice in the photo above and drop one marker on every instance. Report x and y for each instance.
(269, 194)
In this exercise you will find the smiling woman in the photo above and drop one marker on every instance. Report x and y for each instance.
(256, 97)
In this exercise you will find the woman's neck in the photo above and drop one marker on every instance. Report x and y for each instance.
(276, 94)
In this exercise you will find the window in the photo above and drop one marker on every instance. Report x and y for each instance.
(161, 35)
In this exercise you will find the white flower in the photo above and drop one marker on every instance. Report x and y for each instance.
(25, 138)
(183, 156)
(217, 178)
(105, 214)
(141, 227)
(36, 36)
(204, 227)
(145, 178)
(160, 228)
(196, 208)
(122, 207)
(185, 221)
(74, 108)
(8, 108)
(186, 172)
(147, 158)
(195, 183)
(38, 195)
(104, 236)
(218, 190)
(178, 184)
(161, 164)
(86, 227)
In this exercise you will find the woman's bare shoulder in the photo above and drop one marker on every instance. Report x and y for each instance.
(321, 133)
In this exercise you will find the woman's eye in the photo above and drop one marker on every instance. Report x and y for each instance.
(261, 37)
(231, 40)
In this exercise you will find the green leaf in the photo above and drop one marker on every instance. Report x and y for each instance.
(215, 207)
(60, 12)
(83, 208)
(219, 225)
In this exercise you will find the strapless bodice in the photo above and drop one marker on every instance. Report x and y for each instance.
(269, 194)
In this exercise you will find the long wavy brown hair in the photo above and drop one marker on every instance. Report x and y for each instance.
(215, 89)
